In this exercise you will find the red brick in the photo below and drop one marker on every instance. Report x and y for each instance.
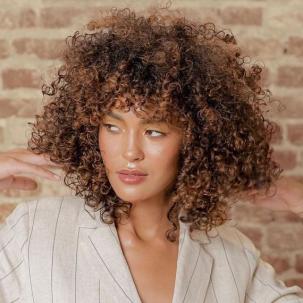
(55, 17)
(1, 135)
(207, 14)
(294, 282)
(253, 233)
(4, 49)
(43, 48)
(244, 212)
(277, 136)
(286, 107)
(15, 78)
(242, 15)
(299, 263)
(265, 76)
(280, 264)
(10, 19)
(286, 216)
(26, 108)
(20, 108)
(7, 109)
(262, 215)
(286, 18)
(295, 46)
(295, 133)
(260, 47)
(287, 159)
(290, 76)
(281, 237)
(27, 18)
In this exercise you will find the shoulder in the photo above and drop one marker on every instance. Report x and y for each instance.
(227, 244)
(42, 211)
(233, 237)
(50, 211)
(228, 235)
(53, 203)
(237, 258)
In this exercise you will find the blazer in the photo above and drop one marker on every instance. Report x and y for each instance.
(56, 249)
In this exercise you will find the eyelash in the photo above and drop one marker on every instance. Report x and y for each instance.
(107, 126)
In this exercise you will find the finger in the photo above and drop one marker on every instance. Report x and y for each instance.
(15, 166)
(14, 182)
(6, 183)
(44, 158)
(30, 157)
(24, 183)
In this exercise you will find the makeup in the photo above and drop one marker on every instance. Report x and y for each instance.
(131, 179)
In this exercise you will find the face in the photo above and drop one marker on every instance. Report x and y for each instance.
(152, 147)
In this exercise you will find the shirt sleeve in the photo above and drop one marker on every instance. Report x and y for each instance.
(264, 286)
(13, 237)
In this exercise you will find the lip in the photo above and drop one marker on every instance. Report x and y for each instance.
(131, 179)
(131, 172)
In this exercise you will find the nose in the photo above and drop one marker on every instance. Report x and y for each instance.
(133, 147)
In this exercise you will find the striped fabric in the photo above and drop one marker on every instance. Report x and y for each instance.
(56, 249)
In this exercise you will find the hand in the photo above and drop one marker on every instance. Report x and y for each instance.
(288, 196)
(24, 161)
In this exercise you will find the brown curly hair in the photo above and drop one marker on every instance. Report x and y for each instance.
(188, 73)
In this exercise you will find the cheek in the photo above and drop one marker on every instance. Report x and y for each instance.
(165, 150)
(163, 156)
(108, 148)
(158, 155)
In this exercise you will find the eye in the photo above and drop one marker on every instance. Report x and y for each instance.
(151, 130)
(108, 127)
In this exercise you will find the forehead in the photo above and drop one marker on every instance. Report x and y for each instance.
(148, 111)
(147, 118)
(144, 119)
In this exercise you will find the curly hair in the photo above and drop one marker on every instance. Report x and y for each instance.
(188, 73)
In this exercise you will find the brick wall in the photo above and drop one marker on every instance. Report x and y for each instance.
(269, 31)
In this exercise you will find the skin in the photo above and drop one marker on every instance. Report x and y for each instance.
(142, 234)
(22, 161)
(287, 196)
(15, 162)
(154, 148)
(128, 139)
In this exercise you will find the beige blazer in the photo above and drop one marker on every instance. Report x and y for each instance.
(56, 249)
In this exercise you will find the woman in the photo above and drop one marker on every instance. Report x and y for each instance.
(156, 124)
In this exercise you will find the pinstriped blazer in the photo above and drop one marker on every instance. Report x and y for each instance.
(56, 249)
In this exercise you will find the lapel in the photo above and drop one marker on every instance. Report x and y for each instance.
(194, 264)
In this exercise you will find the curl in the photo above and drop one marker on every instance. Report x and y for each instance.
(190, 74)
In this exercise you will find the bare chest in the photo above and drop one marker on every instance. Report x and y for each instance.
(153, 271)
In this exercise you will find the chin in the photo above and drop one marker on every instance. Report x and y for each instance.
(130, 195)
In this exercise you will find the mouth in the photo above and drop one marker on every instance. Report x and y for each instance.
(131, 178)
(132, 173)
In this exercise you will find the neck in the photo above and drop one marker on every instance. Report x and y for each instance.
(147, 221)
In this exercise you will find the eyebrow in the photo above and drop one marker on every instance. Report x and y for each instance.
(143, 121)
